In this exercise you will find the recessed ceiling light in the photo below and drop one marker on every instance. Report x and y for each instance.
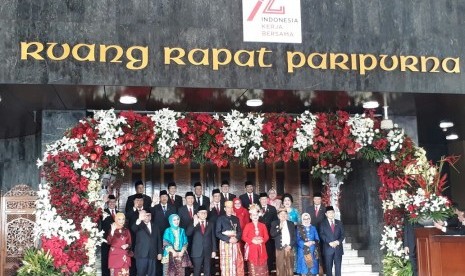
(452, 136)
(254, 102)
(126, 99)
(370, 105)
(445, 124)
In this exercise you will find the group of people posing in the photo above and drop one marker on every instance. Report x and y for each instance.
(251, 234)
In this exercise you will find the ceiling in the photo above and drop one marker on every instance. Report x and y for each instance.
(21, 105)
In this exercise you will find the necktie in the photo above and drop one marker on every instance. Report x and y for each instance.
(190, 212)
(332, 225)
(113, 214)
(202, 227)
(250, 198)
(198, 200)
(316, 211)
(164, 209)
(217, 209)
(172, 199)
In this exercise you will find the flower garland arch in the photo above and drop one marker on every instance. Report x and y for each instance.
(69, 204)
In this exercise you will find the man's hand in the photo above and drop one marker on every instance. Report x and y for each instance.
(142, 214)
(196, 220)
(159, 257)
(232, 240)
(406, 250)
(213, 255)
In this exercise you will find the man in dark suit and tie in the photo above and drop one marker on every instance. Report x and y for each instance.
(332, 235)
(269, 214)
(140, 189)
(410, 246)
(148, 247)
(225, 194)
(173, 198)
(107, 220)
(186, 213)
(317, 210)
(249, 197)
(216, 206)
(162, 211)
(204, 247)
(200, 199)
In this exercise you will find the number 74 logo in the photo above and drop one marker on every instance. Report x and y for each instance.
(269, 9)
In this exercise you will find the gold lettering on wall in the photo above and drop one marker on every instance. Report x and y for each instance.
(137, 57)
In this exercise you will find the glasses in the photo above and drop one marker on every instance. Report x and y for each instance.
(306, 219)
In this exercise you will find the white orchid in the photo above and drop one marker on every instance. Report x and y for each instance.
(304, 137)
(362, 129)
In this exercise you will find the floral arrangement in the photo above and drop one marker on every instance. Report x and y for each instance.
(69, 203)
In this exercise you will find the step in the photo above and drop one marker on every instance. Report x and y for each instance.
(353, 260)
(361, 273)
(356, 268)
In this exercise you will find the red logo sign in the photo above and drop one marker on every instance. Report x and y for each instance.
(269, 9)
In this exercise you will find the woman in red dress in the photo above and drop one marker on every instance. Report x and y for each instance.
(119, 240)
(255, 235)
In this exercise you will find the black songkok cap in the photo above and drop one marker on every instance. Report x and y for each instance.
(317, 194)
(111, 197)
(263, 195)
(163, 192)
(196, 184)
(171, 184)
(329, 208)
(202, 208)
(216, 191)
(189, 194)
(139, 196)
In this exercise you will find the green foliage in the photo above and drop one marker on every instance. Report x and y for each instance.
(396, 266)
(37, 263)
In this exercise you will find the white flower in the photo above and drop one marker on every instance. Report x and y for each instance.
(362, 129)
(166, 130)
(242, 132)
(304, 137)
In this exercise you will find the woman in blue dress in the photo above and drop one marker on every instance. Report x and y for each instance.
(175, 258)
(291, 211)
(307, 247)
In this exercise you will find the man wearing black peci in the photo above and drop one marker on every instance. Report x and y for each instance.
(174, 199)
(140, 189)
(204, 246)
(225, 194)
(200, 199)
(269, 214)
(107, 220)
(249, 197)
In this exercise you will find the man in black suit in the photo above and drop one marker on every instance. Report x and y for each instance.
(186, 213)
(140, 189)
(225, 194)
(283, 233)
(410, 246)
(174, 199)
(204, 247)
(249, 197)
(131, 217)
(317, 210)
(162, 211)
(332, 235)
(148, 247)
(458, 230)
(269, 214)
(216, 206)
(200, 199)
(108, 218)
